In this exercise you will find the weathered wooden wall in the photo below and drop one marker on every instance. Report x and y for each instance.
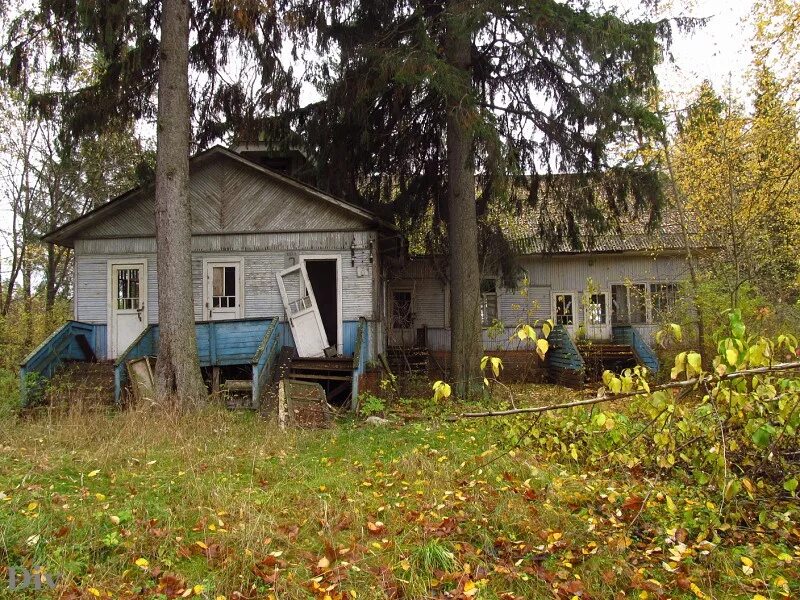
(567, 273)
(261, 296)
(226, 197)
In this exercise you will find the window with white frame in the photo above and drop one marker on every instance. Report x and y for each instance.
(629, 304)
(565, 309)
(596, 310)
(488, 301)
(663, 297)
(223, 286)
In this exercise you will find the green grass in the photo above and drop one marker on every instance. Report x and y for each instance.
(226, 502)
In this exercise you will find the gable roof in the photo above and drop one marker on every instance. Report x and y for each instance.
(99, 217)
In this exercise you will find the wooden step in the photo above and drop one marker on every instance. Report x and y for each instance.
(319, 376)
(238, 385)
(322, 364)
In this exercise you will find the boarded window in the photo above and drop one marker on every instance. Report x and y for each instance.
(128, 289)
(488, 301)
(565, 309)
(223, 287)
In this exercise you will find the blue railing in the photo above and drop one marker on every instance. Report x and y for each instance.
(144, 345)
(219, 343)
(265, 360)
(563, 360)
(625, 334)
(63, 344)
(360, 351)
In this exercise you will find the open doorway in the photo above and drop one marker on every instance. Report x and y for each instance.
(323, 276)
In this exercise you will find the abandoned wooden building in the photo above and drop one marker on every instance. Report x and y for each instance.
(280, 265)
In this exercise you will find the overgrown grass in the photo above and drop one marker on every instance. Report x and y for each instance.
(138, 504)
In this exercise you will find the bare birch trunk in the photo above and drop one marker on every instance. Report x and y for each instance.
(27, 291)
(178, 366)
(462, 227)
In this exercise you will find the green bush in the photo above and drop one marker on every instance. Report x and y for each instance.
(9, 394)
(371, 405)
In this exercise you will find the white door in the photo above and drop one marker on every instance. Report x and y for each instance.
(598, 325)
(301, 311)
(565, 311)
(223, 292)
(128, 312)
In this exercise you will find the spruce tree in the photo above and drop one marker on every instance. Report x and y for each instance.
(129, 62)
(445, 110)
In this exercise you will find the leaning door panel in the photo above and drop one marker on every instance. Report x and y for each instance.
(302, 312)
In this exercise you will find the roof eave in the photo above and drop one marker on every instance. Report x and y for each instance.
(66, 234)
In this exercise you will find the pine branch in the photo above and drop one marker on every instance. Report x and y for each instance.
(604, 397)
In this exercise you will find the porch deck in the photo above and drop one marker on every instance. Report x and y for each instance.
(254, 342)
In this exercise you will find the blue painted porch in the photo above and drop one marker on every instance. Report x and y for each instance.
(568, 362)
(254, 342)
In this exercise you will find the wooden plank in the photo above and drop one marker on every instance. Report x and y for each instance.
(212, 342)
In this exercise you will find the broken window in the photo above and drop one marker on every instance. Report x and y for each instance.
(402, 315)
(596, 309)
(223, 287)
(128, 289)
(628, 304)
(564, 309)
(663, 297)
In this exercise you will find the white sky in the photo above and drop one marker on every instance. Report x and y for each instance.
(719, 51)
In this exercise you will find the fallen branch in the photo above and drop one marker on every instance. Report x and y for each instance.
(607, 397)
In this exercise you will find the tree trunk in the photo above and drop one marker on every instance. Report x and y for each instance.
(178, 367)
(462, 227)
(50, 280)
(679, 198)
(28, 306)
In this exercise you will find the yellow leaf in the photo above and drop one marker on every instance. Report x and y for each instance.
(142, 563)
(746, 561)
(732, 355)
(202, 545)
(323, 563)
(93, 473)
(199, 589)
(697, 591)
(33, 506)
(542, 346)
(94, 592)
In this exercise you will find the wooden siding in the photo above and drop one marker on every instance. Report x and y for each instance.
(533, 303)
(261, 296)
(564, 273)
(227, 196)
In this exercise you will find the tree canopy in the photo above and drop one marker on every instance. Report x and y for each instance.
(552, 88)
